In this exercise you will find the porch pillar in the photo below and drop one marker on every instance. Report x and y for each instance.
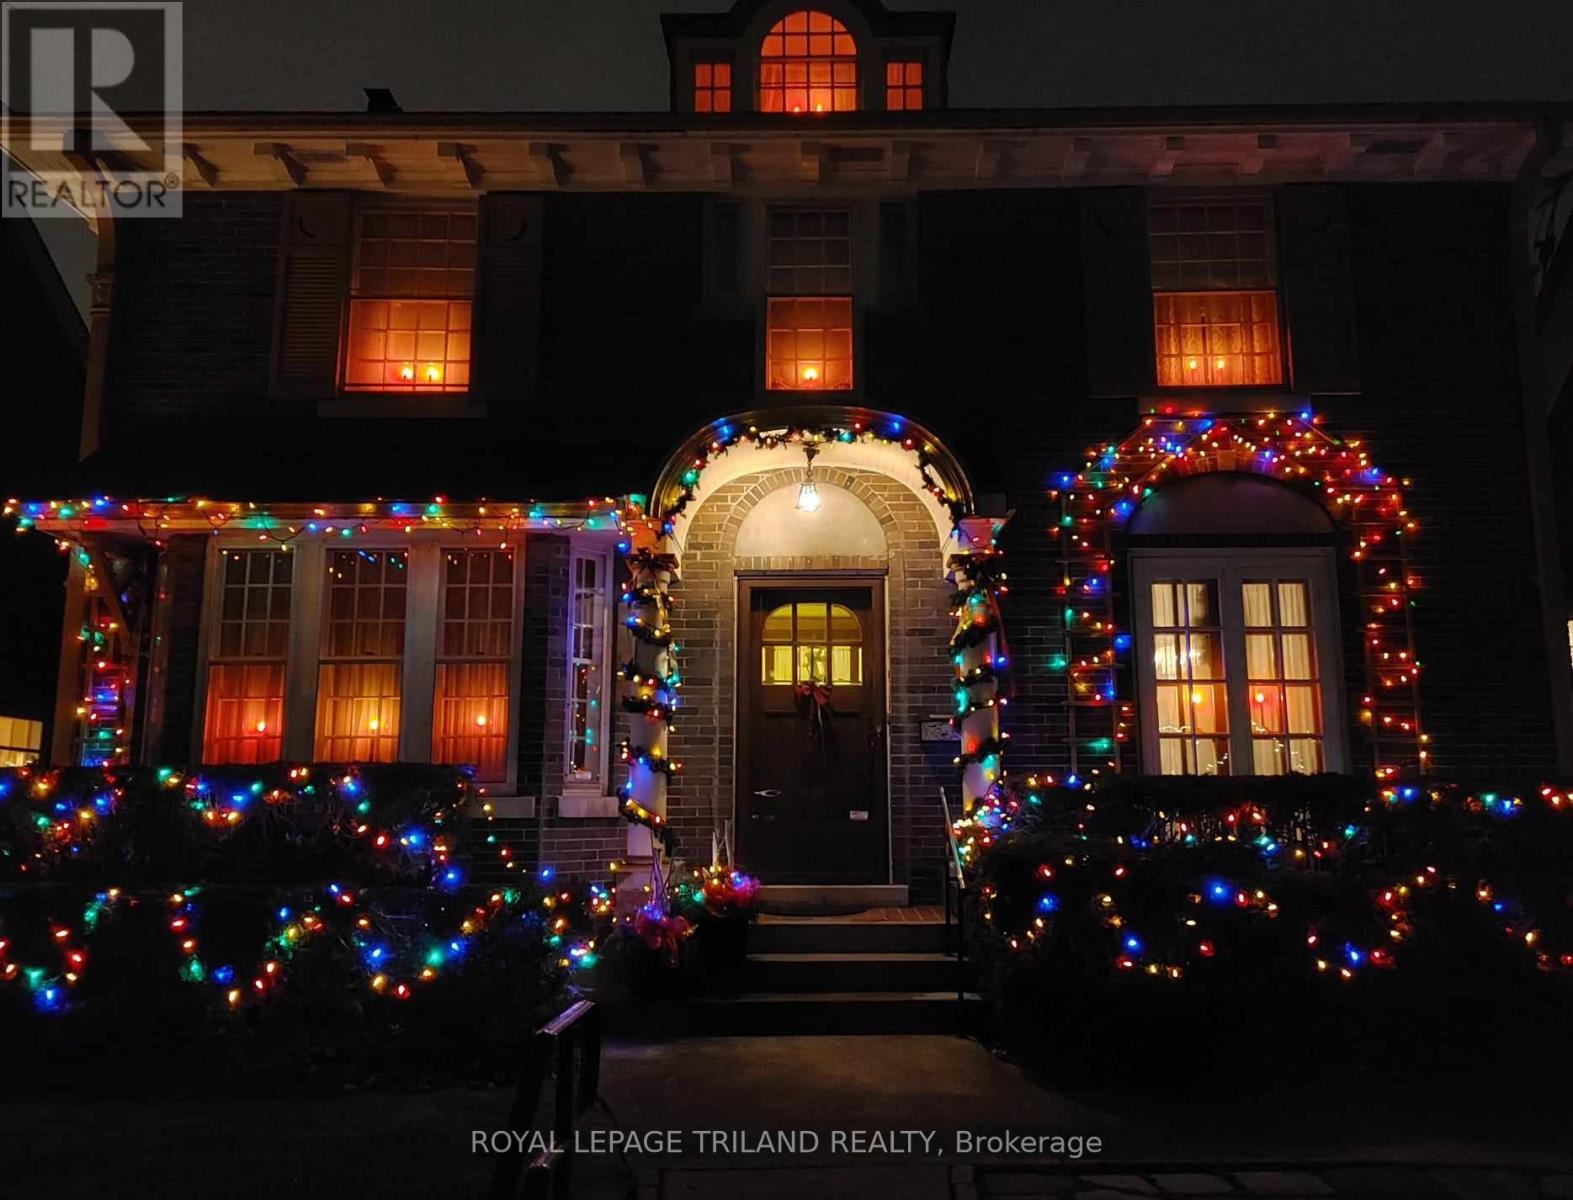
(973, 568)
(650, 682)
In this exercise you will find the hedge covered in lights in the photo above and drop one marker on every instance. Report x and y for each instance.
(1286, 905)
(317, 905)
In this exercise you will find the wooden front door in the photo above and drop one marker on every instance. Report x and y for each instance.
(811, 802)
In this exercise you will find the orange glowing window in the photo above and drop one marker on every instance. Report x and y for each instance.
(808, 64)
(1215, 292)
(244, 718)
(361, 675)
(903, 86)
(810, 343)
(474, 652)
(712, 87)
(411, 298)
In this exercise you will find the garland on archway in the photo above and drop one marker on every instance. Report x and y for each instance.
(889, 430)
(1366, 501)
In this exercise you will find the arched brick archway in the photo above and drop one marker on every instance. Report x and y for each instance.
(919, 681)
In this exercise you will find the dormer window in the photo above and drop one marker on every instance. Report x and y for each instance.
(713, 86)
(808, 64)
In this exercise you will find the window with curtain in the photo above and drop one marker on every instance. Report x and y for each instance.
(904, 85)
(361, 673)
(21, 741)
(588, 620)
(243, 720)
(1215, 292)
(808, 335)
(808, 64)
(474, 657)
(713, 86)
(811, 642)
(411, 300)
(1237, 647)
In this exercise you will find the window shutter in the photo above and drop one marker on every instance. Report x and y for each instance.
(895, 253)
(313, 275)
(723, 244)
(1315, 277)
(1117, 292)
(509, 310)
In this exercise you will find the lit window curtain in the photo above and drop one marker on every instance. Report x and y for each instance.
(1191, 695)
(1282, 685)
(808, 342)
(470, 708)
(244, 717)
(808, 64)
(360, 679)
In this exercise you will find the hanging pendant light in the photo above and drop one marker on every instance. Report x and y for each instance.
(808, 495)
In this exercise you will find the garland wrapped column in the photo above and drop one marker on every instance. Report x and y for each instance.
(978, 655)
(650, 680)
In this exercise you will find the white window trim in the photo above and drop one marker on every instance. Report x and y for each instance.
(1231, 567)
(581, 797)
(423, 611)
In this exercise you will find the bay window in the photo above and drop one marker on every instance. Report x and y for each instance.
(1235, 649)
(244, 717)
(380, 653)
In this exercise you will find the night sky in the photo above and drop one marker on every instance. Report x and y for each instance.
(608, 54)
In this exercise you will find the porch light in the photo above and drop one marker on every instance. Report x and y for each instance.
(808, 495)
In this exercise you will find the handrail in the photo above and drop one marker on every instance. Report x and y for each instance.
(958, 862)
(570, 1045)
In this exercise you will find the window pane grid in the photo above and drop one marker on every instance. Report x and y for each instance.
(811, 642)
(904, 86)
(411, 301)
(360, 677)
(243, 720)
(1283, 685)
(586, 667)
(474, 650)
(809, 343)
(1217, 339)
(810, 252)
(1191, 693)
(1219, 243)
(712, 87)
(808, 63)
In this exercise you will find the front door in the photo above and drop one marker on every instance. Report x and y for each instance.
(811, 803)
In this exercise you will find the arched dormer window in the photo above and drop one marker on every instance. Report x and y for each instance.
(808, 64)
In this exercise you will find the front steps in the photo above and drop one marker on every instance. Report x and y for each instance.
(825, 899)
(846, 976)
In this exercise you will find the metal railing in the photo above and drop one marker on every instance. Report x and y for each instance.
(953, 879)
(568, 1047)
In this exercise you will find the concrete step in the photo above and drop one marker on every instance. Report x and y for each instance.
(811, 898)
(846, 937)
(871, 972)
(756, 1013)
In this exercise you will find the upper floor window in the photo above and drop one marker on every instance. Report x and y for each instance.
(1215, 292)
(903, 85)
(412, 291)
(809, 306)
(713, 86)
(808, 64)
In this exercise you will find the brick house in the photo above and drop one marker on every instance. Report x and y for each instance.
(402, 444)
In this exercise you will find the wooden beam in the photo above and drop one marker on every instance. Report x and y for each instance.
(463, 157)
(205, 170)
(813, 162)
(548, 159)
(286, 167)
(726, 166)
(637, 170)
(380, 166)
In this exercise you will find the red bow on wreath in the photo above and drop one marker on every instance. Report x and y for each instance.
(813, 705)
(660, 931)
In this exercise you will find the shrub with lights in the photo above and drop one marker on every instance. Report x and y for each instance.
(271, 922)
(1145, 922)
